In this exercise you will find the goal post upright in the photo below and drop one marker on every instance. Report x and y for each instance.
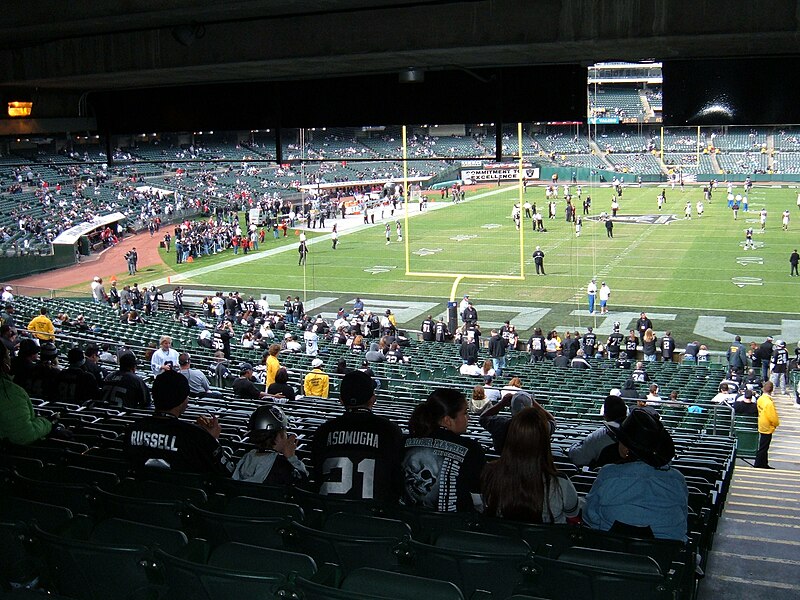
(521, 213)
(406, 195)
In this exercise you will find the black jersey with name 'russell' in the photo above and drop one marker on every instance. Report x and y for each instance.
(357, 456)
(162, 440)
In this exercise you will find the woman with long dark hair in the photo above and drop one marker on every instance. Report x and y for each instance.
(441, 467)
(524, 483)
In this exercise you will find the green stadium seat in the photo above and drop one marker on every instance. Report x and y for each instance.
(472, 561)
(188, 580)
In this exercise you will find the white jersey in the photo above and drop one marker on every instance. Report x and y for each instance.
(312, 343)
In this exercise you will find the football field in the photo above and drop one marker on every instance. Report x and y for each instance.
(658, 261)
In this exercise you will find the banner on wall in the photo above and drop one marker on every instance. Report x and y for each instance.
(479, 175)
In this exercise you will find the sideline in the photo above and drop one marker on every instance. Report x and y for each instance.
(311, 241)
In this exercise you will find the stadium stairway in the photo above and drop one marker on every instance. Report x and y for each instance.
(756, 553)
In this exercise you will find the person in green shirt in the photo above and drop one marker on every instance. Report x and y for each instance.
(18, 423)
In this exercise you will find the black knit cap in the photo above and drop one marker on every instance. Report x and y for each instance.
(170, 389)
(356, 388)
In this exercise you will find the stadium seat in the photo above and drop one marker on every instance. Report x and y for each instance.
(187, 580)
(257, 559)
(220, 527)
(591, 573)
(399, 585)
(349, 552)
(86, 570)
(472, 561)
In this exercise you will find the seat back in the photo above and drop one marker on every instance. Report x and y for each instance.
(244, 506)
(120, 531)
(186, 580)
(365, 525)
(92, 571)
(376, 582)
(245, 557)
(472, 561)
(347, 551)
(589, 573)
(165, 513)
(219, 528)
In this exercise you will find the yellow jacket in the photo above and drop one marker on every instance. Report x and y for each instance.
(316, 383)
(768, 419)
(273, 364)
(42, 328)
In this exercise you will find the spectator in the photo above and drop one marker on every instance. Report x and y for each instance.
(165, 358)
(768, 422)
(164, 441)
(281, 387)
(746, 405)
(243, 386)
(470, 369)
(600, 447)
(75, 384)
(641, 495)
(124, 388)
(442, 468)
(478, 401)
(316, 382)
(357, 455)
(272, 363)
(18, 423)
(274, 461)
(579, 362)
(198, 382)
(524, 484)
(42, 327)
(497, 425)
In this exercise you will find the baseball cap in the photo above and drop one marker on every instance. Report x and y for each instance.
(317, 362)
(244, 367)
(357, 388)
(9, 288)
(128, 361)
(519, 401)
(170, 389)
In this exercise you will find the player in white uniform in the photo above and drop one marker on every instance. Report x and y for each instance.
(786, 220)
(700, 208)
(763, 218)
(748, 239)
(687, 211)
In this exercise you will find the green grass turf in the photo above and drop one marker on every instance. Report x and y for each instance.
(686, 266)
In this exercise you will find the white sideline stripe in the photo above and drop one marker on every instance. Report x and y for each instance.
(291, 247)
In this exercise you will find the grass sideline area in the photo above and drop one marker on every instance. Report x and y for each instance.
(682, 267)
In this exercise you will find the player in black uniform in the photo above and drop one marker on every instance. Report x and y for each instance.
(357, 455)
(631, 344)
(164, 441)
(221, 338)
(536, 346)
(667, 347)
(589, 343)
(427, 329)
(614, 342)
